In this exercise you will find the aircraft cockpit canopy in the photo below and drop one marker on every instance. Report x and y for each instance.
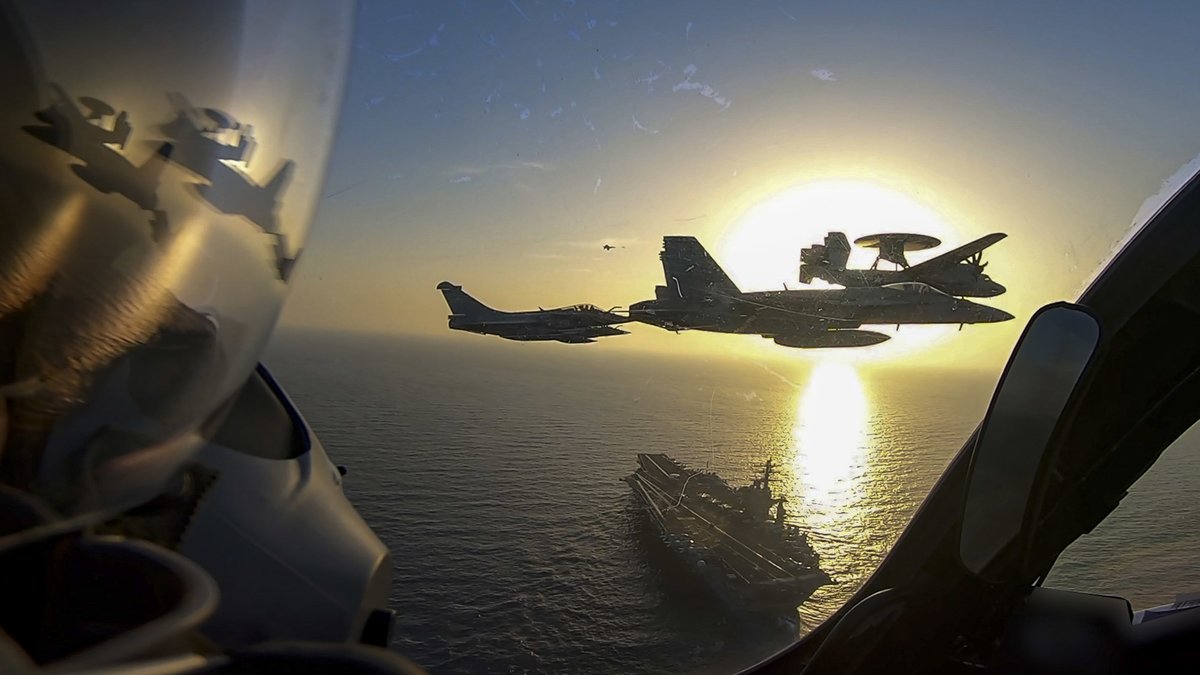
(910, 286)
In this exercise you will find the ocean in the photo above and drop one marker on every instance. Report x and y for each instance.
(493, 470)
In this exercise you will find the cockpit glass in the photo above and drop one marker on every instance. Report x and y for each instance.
(706, 464)
(913, 287)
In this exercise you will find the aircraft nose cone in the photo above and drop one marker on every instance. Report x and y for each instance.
(996, 315)
(995, 289)
(983, 313)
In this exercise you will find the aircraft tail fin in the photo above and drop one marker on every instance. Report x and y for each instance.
(461, 303)
(691, 271)
(280, 179)
(833, 254)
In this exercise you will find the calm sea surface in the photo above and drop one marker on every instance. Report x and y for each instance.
(493, 472)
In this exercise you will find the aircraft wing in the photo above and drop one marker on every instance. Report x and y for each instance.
(574, 336)
(583, 334)
(597, 331)
(959, 254)
(499, 322)
(509, 322)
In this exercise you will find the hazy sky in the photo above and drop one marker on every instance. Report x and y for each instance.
(498, 144)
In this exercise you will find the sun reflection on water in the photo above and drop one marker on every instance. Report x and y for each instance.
(829, 444)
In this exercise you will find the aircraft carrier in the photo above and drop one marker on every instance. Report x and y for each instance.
(727, 537)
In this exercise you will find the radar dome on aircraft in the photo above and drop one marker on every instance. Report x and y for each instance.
(893, 245)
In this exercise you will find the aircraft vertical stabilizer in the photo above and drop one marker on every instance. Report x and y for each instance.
(461, 303)
(819, 259)
(690, 271)
(280, 179)
(837, 250)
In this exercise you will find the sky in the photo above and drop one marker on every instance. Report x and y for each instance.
(499, 144)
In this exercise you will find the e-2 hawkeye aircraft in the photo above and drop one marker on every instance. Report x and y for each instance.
(958, 272)
(698, 295)
(573, 325)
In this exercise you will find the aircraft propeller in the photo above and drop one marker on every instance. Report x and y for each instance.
(976, 261)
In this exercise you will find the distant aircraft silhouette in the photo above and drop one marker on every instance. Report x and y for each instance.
(958, 272)
(572, 325)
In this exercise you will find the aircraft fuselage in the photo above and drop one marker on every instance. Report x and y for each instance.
(805, 311)
(561, 326)
(960, 280)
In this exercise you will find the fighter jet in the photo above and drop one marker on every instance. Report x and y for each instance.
(573, 325)
(698, 295)
(958, 272)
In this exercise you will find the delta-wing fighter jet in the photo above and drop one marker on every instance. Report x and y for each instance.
(572, 325)
(698, 295)
(958, 272)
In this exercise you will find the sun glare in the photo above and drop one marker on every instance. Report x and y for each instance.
(761, 250)
(829, 438)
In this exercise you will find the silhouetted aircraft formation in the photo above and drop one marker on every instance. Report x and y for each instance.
(698, 295)
(88, 128)
(573, 325)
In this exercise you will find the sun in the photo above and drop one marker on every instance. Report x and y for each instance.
(761, 250)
